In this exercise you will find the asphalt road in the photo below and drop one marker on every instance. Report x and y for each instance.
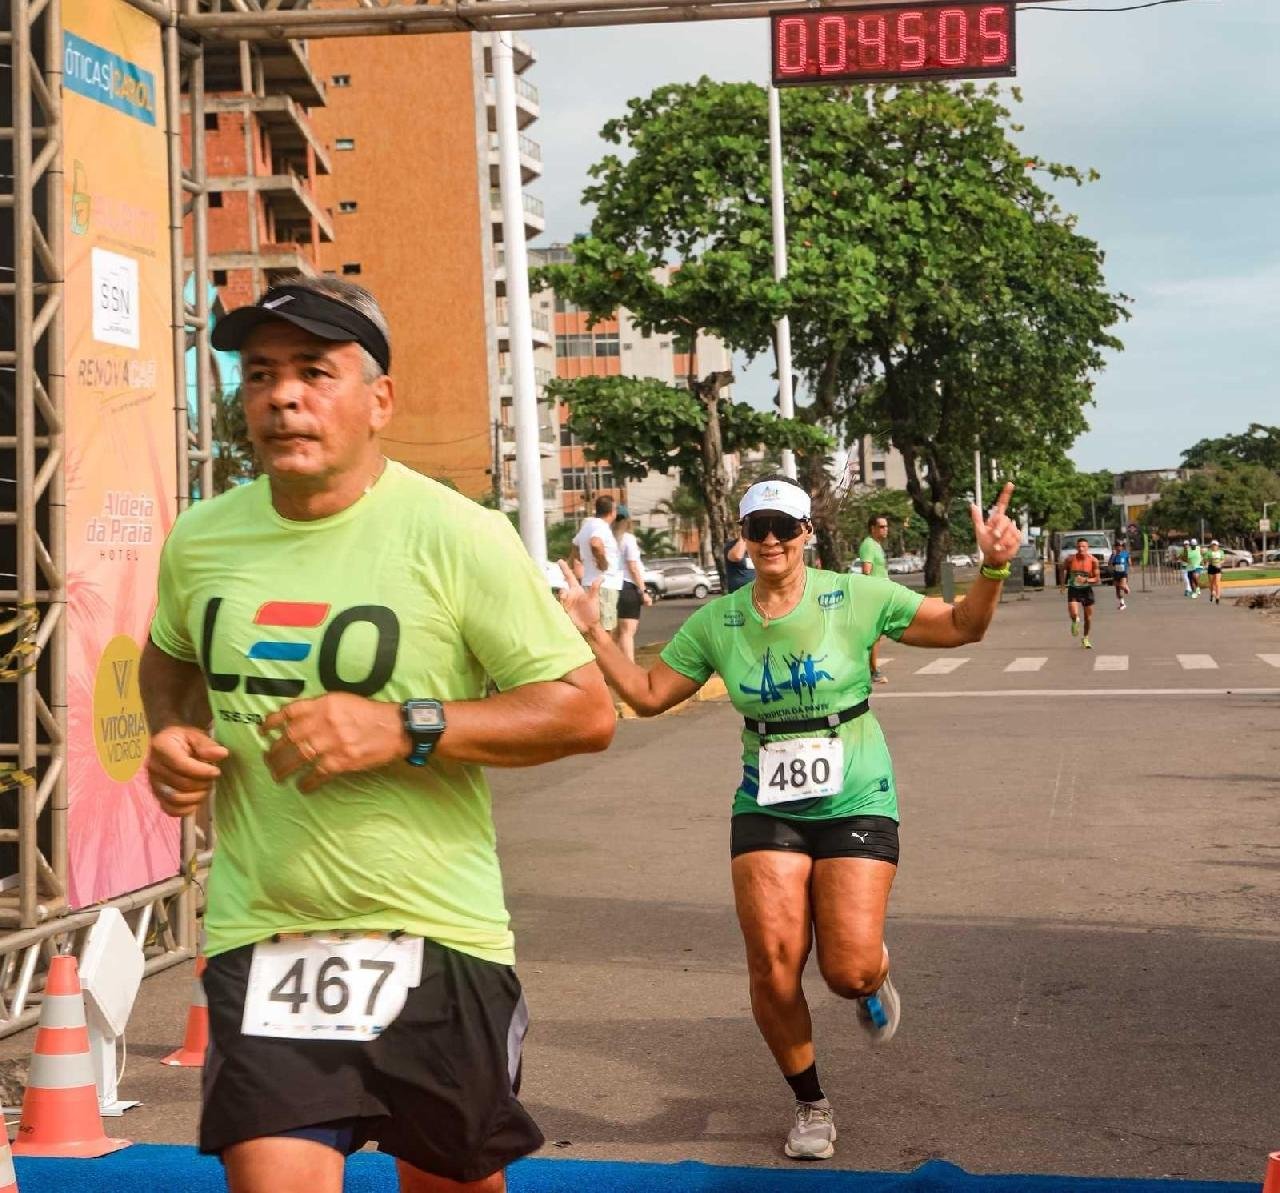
(1085, 927)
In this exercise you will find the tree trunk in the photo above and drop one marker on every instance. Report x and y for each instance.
(934, 506)
(816, 480)
(714, 485)
(936, 551)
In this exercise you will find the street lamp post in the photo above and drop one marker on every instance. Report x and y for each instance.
(1266, 505)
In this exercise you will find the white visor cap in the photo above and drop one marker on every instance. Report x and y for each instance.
(777, 496)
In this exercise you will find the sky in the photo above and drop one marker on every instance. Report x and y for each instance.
(1177, 107)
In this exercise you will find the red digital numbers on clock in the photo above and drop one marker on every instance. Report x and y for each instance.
(930, 39)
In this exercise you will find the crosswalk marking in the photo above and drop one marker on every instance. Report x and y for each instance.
(942, 666)
(1111, 662)
(1197, 662)
(1272, 660)
(1029, 663)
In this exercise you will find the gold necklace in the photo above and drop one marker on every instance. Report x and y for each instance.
(764, 617)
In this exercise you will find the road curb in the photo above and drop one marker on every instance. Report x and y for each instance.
(713, 689)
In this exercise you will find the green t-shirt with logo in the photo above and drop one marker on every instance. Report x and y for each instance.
(1215, 556)
(810, 663)
(1194, 559)
(412, 592)
(870, 551)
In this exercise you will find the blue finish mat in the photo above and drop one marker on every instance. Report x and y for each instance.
(144, 1168)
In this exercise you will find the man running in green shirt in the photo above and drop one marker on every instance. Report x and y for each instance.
(324, 649)
(1193, 562)
(872, 562)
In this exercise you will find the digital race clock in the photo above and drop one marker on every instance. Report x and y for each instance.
(931, 39)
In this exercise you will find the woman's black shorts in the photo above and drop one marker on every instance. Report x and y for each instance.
(629, 602)
(873, 837)
(1216, 571)
(1079, 596)
(437, 1088)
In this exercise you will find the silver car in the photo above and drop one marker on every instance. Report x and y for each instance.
(679, 577)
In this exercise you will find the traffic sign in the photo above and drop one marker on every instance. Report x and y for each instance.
(1264, 525)
(931, 39)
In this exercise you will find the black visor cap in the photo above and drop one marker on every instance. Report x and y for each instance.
(324, 317)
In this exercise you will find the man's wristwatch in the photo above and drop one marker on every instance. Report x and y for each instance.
(424, 723)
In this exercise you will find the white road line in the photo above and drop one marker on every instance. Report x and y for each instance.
(885, 662)
(942, 666)
(1111, 662)
(1197, 662)
(1028, 663)
(1091, 692)
(1272, 660)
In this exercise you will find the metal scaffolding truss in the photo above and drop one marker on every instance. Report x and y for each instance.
(33, 570)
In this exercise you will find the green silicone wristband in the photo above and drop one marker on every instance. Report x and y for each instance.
(995, 573)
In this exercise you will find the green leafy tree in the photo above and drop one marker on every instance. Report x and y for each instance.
(1228, 499)
(994, 312)
(939, 297)
(641, 425)
(1260, 444)
(560, 539)
(234, 462)
(653, 540)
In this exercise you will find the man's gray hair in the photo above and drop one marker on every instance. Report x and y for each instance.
(356, 297)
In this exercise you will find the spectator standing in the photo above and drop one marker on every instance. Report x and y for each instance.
(595, 556)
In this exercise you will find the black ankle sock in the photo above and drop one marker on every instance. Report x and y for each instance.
(805, 1085)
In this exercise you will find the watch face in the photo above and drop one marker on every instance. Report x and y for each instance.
(428, 717)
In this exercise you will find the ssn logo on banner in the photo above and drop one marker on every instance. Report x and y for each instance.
(116, 313)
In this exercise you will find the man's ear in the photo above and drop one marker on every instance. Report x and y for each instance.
(384, 402)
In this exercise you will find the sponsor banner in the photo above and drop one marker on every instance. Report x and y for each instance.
(121, 462)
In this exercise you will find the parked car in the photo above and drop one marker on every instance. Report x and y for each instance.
(901, 565)
(960, 561)
(680, 577)
(1233, 557)
(1032, 566)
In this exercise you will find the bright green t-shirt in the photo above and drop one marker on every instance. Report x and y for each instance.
(413, 591)
(870, 551)
(810, 663)
(1215, 556)
(1194, 559)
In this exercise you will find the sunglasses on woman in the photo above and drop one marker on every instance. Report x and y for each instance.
(757, 527)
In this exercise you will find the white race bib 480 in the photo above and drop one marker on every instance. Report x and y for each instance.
(330, 986)
(801, 768)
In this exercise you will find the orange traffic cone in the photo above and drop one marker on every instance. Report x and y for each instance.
(8, 1178)
(196, 1038)
(1271, 1184)
(60, 1108)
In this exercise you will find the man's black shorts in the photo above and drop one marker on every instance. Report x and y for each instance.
(437, 1088)
(1080, 596)
(629, 602)
(874, 837)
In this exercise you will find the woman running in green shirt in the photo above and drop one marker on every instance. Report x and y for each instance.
(814, 837)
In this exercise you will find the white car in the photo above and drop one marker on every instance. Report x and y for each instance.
(1233, 557)
(960, 561)
(901, 565)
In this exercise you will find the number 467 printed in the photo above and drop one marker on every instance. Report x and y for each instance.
(329, 988)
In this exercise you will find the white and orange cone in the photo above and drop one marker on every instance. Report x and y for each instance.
(195, 1039)
(1271, 1183)
(8, 1178)
(60, 1108)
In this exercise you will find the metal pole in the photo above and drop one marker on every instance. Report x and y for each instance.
(533, 529)
(200, 274)
(178, 316)
(977, 479)
(24, 395)
(56, 505)
(782, 328)
(1266, 505)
